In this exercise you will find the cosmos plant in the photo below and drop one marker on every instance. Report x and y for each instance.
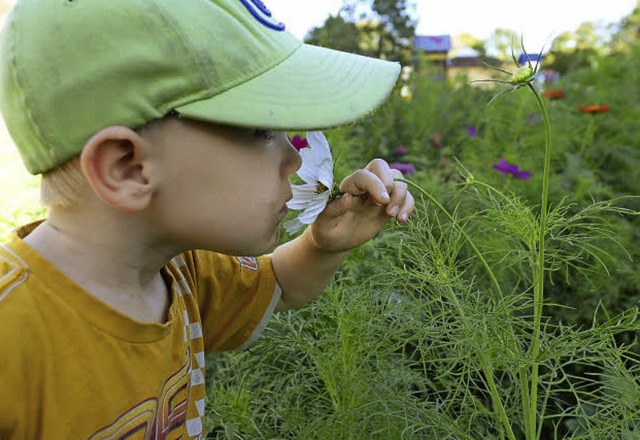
(531, 381)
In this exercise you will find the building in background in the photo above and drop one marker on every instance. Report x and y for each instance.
(431, 50)
(435, 52)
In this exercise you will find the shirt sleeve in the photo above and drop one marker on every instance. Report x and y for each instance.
(236, 297)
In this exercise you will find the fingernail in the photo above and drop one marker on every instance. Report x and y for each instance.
(394, 211)
(385, 196)
(403, 217)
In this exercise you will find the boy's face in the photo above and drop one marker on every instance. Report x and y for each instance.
(221, 188)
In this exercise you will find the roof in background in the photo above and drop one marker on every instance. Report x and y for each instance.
(432, 43)
(533, 57)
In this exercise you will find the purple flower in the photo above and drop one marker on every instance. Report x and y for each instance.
(400, 150)
(405, 168)
(510, 170)
(298, 142)
(471, 129)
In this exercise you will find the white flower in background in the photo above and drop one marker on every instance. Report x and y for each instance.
(317, 173)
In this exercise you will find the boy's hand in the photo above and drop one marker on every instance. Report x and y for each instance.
(304, 266)
(371, 198)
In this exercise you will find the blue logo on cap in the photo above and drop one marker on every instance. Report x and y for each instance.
(262, 14)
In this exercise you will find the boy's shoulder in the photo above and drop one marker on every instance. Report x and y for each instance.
(14, 272)
(21, 329)
(27, 299)
(17, 296)
(14, 267)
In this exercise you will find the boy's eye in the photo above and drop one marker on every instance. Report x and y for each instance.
(264, 134)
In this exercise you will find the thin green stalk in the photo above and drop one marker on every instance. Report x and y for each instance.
(523, 370)
(524, 391)
(497, 402)
(538, 287)
(486, 368)
(461, 230)
(498, 406)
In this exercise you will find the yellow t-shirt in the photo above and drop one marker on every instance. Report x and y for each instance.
(71, 367)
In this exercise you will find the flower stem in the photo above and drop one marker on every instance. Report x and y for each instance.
(499, 409)
(487, 369)
(538, 286)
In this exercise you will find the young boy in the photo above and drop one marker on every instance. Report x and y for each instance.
(158, 127)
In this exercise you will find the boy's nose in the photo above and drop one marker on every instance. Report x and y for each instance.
(293, 160)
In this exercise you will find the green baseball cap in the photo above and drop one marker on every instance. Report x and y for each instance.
(69, 68)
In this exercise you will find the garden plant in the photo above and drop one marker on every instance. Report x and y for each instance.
(506, 309)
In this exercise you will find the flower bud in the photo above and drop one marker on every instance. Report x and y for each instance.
(521, 75)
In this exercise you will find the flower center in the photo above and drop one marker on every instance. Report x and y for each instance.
(320, 188)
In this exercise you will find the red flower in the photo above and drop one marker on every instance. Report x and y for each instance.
(553, 94)
(593, 108)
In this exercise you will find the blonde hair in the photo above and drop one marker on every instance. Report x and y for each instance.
(64, 186)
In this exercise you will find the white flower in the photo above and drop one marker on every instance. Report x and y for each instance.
(317, 173)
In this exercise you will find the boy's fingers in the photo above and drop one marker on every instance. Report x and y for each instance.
(384, 172)
(406, 209)
(340, 205)
(399, 193)
(363, 182)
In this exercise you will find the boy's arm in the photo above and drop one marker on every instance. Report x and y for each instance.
(303, 270)
(305, 265)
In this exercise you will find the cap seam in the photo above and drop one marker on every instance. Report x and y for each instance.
(19, 85)
(192, 56)
(207, 93)
(207, 90)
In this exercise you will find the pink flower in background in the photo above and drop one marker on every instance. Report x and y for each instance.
(405, 168)
(509, 169)
(298, 142)
(400, 150)
(436, 140)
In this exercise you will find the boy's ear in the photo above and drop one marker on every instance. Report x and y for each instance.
(116, 164)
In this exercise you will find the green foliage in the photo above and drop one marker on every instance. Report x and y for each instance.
(336, 33)
(429, 330)
(378, 28)
(502, 41)
(629, 31)
(583, 47)
(403, 351)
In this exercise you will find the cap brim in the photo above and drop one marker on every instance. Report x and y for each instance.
(314, 88)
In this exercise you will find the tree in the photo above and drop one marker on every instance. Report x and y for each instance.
(398, 26)
(502, 42)
(588, 37)
(468, 40)
(629, 30)
(575, 50)
(378, 28)
(336, 33)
